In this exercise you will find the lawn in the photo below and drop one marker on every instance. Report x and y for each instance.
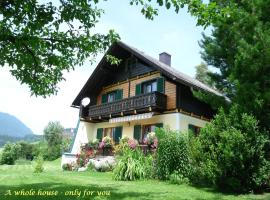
(71, 185)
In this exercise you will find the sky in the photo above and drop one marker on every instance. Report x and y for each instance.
(176, 34)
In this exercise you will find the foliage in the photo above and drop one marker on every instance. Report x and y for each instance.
(10, 153)
(41, 40)
(27, 151)
(176, 178)
(39, 164)
(231, 152)
(67, 167)
(151, 140)
(202, 72)
(206, 13)
(125, 142)
(172, 155)
(133, 165)
(106, 142)
(53, 134)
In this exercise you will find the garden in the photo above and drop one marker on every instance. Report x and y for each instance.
(229, 159)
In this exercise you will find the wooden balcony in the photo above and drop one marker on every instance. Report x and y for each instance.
(154, 101)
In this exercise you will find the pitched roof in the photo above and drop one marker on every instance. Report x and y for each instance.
(168, 71)
(172, 72)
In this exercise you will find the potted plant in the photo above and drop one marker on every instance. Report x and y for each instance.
(106, 145)
(151, 141)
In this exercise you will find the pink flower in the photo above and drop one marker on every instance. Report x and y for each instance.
(101, 144)
(132, 143)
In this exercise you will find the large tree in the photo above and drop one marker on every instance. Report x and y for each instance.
(40, 40)
(239, 48)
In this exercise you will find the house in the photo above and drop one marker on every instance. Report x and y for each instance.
(135, 96)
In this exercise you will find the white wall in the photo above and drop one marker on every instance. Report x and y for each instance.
(84, 134)
(176, 121)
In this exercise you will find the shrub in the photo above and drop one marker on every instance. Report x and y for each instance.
(67, 167)
(176, 178)
(232, 152)
(172, 155)
(133, 165)
(10, 153)
(39, 164)
(125, 142)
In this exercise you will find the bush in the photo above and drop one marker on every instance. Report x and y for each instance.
(39, 164)
(10, 153)
(232, 153)
(67, 167)
(176, 178)
(172, 154)
(133, 165)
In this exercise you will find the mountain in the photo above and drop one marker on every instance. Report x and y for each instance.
(13, 127)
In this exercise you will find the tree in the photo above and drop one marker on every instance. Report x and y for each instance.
(53, 134)
(202, 72)
(239, 48)
(39, 41)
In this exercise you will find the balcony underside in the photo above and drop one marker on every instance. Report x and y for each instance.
(152, 102)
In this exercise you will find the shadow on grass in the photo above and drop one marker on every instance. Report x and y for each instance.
(68, 192)
(221, 193)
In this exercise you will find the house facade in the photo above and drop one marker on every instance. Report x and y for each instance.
(136, 96)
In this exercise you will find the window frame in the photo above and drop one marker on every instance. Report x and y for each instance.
(114, 93)
(147, 83)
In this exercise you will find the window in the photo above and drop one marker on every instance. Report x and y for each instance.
(194, 129)
(147, 129)
(114, 132)
(111, 97)
(149, 86)
(141, 131)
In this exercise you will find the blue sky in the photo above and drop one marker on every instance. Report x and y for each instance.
(177, 34)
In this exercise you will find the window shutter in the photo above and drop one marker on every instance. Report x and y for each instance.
(118, 134)
(99, 134)
(138, 89)
(119, 94)
(160, 85)
(104, 98)
(137, 132)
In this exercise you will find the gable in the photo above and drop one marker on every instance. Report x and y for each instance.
(134, 63)
(106, 74)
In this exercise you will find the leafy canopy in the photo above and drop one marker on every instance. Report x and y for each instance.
(40, 40)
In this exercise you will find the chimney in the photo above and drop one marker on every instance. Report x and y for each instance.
(165, 58)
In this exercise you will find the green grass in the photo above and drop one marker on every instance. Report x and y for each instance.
(18, 177)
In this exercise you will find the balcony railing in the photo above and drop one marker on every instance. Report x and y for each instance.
(156, 100)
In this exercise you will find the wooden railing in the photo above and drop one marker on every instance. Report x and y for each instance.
(154, 100)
